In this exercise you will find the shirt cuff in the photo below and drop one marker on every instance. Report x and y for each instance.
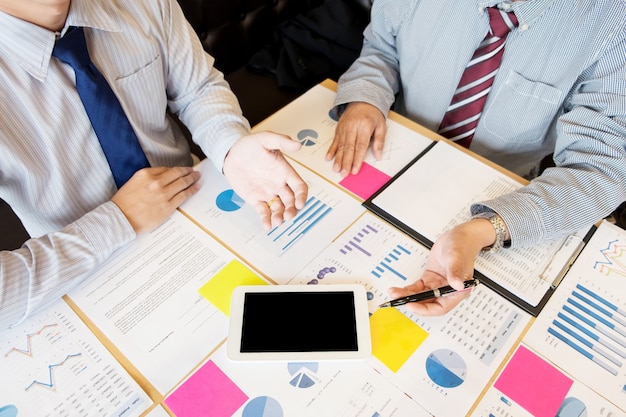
(521, 218)
(107, 229)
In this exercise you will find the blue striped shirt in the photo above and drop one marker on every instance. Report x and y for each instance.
(561, 89)
(52, 169)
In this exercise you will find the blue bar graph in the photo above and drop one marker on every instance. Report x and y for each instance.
(594, 315)
(602, 340)
(592, 326)
(582, 350)
(601, 330)
(612, 307)
(596, 347)
(386, 264)
(367, 241)
(291, 231)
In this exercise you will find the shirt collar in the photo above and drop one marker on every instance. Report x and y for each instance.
(30, 46)
(92, 13)
(526, 11)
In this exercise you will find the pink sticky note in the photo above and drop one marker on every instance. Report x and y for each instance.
(208, 392)
(533, 383)
(366, 182)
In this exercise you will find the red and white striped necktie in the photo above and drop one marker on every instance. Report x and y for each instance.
(460, 121)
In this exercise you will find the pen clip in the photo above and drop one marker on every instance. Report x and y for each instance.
(471, 283)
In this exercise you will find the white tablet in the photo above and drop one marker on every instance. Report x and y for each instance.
(299, 323)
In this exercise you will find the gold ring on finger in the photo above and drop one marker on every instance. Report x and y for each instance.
(272, 201)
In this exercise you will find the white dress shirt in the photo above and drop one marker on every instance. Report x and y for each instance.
(52, 169)
(561, 89)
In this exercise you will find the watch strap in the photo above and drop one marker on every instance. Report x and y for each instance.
(499, 227)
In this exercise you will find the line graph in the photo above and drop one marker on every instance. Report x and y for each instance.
(52, 365)
(51, 368)
(612, 262)
(28, 351)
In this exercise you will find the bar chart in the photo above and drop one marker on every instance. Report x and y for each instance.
(582, 329)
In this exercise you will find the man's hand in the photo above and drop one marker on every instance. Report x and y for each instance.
(152, 194)
(359, 124)
(450, 262)
(259, 173)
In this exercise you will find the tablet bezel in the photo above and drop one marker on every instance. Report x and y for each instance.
(361, 314)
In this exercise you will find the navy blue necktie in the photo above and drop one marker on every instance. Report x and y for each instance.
(116, 135)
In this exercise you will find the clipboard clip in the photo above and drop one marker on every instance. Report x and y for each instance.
(562, 260)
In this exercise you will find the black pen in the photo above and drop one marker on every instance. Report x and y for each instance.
(426, 295)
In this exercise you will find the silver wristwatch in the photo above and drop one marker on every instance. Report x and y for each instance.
(500, 228)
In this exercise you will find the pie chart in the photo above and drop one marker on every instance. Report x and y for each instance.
(8, 411)
(572, 407)
(229, 201)
(307, 137)
(263, 407)
(301, 373)
(446, 368)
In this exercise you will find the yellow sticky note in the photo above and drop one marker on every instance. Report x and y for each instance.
(219, 289)
(395, 337)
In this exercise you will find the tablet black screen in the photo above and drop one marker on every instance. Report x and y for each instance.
(299, 322)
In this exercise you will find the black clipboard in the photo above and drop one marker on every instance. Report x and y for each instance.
(533, 309)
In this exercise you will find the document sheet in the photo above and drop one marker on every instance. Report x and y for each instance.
(529, 386)
(160, 305)
(302, 389)
(146, 300)
(441, 362)
(431, 197)
(280, 252)
(582, 329)
(309, 119)
(54, 366)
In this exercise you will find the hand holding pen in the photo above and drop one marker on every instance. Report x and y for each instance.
(427, 295)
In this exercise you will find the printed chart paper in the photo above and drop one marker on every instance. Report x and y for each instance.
(309, 120)
(370, 252)
(282, 251)
(440, 202)
(530, 386)
(285, 389)
(53, 366)
(146, 299)
(582, 329)
(443, 363)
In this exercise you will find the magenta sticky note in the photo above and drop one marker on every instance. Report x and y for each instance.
(208, 392)
(366, 182)
(533, 383)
